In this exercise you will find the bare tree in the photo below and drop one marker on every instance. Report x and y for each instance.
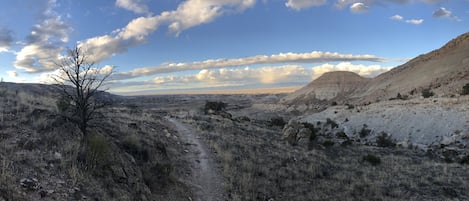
(80, 81)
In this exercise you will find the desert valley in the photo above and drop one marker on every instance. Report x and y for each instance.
(403, 135)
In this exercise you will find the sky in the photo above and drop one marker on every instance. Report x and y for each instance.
(208, 46)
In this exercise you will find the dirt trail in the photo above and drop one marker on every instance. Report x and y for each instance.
(206, 180)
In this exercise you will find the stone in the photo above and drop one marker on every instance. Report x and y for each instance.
(29, 183)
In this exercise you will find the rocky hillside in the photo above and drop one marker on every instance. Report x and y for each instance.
(133, 154)
(443, 71)
(332, 86)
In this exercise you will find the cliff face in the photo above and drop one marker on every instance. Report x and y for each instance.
(444, 71)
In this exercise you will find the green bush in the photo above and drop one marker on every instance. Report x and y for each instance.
(465, 89)
(215, 106)
(328, 143)
(277, 121)
(63, 104)
(372, 159)
(134, 147)
(98, 153)
(384, 140)
(332, 123)
(364, 131)
(426, 93)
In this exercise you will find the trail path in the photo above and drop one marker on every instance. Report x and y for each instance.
(206, 180)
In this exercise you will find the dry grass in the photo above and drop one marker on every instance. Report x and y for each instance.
(37, 142)
(259, 166)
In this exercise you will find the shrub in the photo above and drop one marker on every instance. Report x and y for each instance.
(426, 93)
(132, 145)
(372, 159)
(158, 176)
(328, 143)
(333, 103)
(465, 89)
(98, 153)
(364, 131)
(63, 104)
(341, 134)
(332, 123)
(384, 140)
(215, 106)
(277, 121)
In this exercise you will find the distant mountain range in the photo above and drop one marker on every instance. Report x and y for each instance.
(443, 71)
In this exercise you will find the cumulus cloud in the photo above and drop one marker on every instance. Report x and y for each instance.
(341, 4)
(103, 47)
(188, 14)
(311, 57)
(287, 75)
(415, 21)
(359, 8)
(363, 70)
(397, 18)
(244, 76)
(444, 13)
(411, 21)
(12, 74)
(44, 43)
(301, 4)
(195, 12)
(6, 39)
(132, 5)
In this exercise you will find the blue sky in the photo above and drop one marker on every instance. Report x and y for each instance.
(200, 46)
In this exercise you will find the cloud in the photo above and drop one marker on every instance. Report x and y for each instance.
(132, 5)
(12, 74)
(286, 75)
(415, 21)
(190, 13)
(311, 57)
(444, 13)
(359, 8)
(195, 12)
(44, 43)
(102, 47)
(244, 76)
(397, 18)
(301, 4)
(363, 70)
(341, 4)
(411, 21)
(6, 39)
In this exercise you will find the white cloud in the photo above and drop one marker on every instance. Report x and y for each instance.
(301, 4)
(341, 4)
(44, 43)
(244, 76)
(195, 12)
(132, 5)
(359, 8)
(397, 18)
(415, 21)
(444, 13)
(12, 74)
(287, 75)
(311, 57)
(411, 21)
(363, 70)
(103, 47)
(190, 13)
